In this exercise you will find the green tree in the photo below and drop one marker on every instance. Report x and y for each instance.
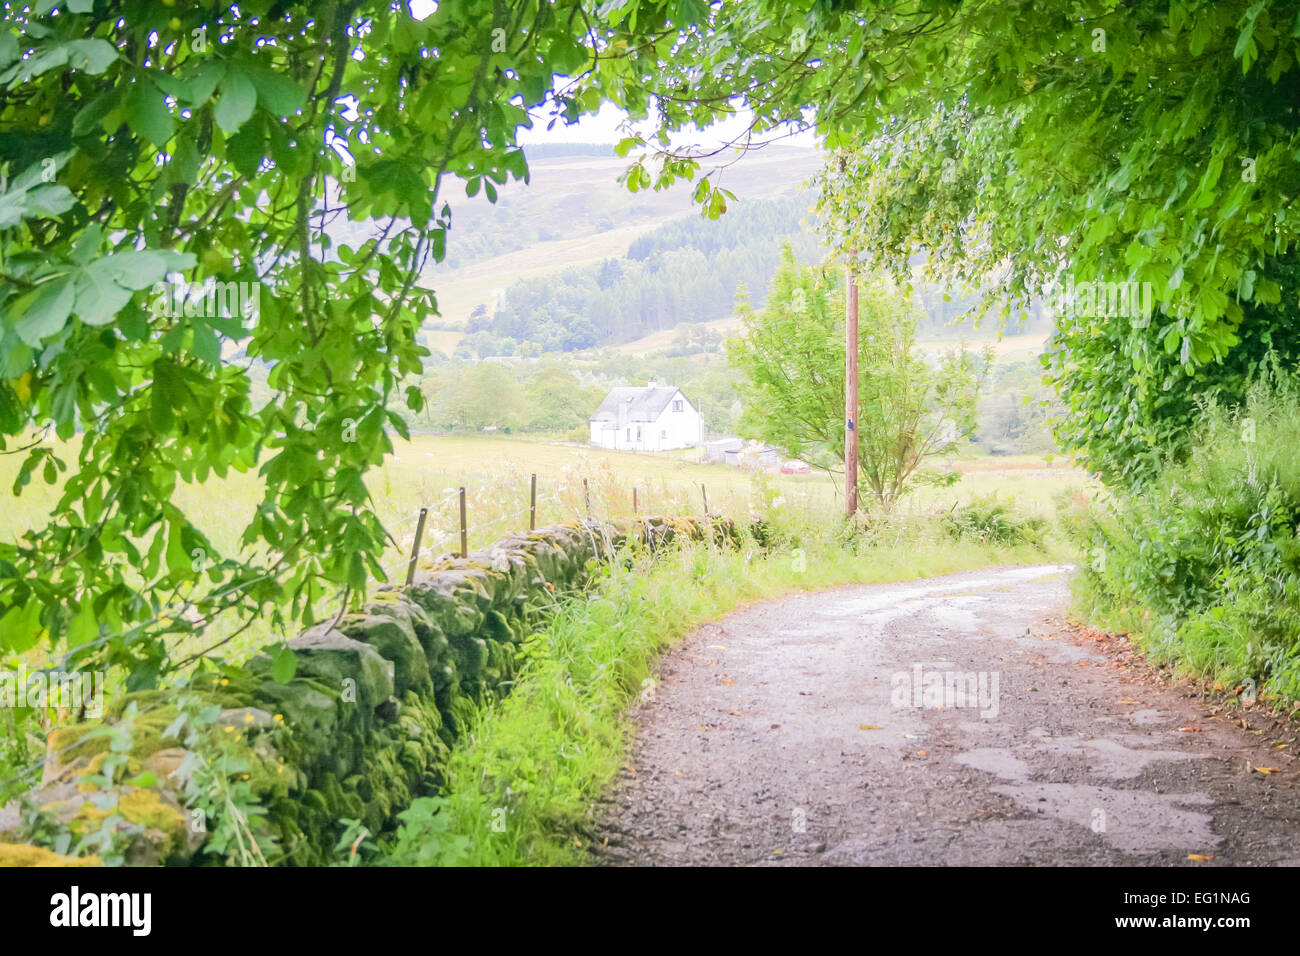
(792, 354)
(488, 395)
(223, 143)
(557, 401)
(1018, 144)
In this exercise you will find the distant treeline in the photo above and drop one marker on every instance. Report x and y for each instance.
(689, 270)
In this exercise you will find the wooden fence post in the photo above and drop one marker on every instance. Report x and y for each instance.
(415, 548)
(464, 536)
(532, 504)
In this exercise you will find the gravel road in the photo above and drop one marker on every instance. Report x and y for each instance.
(948, 721)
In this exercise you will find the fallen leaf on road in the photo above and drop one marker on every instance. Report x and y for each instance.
(1130, 702)
(716, 647)
(868, 727)
(734, 713)
(1190, 730)
(1266, 770)
(1199, 857)
(728, 682)
(920, 753)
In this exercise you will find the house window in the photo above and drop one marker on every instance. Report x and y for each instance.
(638, 433)
(663, 434)
(629, 434)
(677, 405)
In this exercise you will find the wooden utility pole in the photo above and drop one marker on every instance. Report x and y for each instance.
(851, 390)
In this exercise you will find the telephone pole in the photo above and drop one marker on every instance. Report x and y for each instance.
(851, 389)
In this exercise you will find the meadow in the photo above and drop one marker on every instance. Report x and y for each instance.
(495, 471)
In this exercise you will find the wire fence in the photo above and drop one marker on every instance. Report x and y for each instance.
(456, 523)
(469, 517)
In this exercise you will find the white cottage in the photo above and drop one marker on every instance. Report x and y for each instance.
(653, 418)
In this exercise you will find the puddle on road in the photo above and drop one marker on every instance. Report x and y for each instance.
(1111, 758)
(996, 761)
(1132, 821)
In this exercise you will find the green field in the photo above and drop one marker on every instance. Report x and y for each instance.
(428, 470)
(495, 472)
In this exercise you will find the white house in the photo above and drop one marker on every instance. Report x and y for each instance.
(653, 418)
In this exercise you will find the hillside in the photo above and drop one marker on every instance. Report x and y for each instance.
(574, 213)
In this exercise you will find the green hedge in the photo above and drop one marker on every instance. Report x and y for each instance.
(1204, 562)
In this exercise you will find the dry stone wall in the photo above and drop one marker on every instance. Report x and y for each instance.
(365, 725)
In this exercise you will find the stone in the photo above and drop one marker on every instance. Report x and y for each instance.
(333, 658)
(164, 763)
(447, 608)
(394, 638)
(245, 717)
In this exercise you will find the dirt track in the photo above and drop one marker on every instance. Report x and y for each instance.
(786, 734)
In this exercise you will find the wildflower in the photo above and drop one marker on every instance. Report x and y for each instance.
(230, 730)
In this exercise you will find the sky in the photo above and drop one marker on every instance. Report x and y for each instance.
(603, 127)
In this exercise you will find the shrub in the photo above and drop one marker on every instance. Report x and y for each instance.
(1205, 561)
(989, 521)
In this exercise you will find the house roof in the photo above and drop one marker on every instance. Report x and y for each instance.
(634, 404)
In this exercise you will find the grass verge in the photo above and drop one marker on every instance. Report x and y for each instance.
(521, 790)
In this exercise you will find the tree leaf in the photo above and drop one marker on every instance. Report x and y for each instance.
(275, 91)
(284, 664)
(48, 313)
(91, 56)
(204, 81)
(238, 97)
(99, 297)
(147, 113)
(20, 628)
(185, 162)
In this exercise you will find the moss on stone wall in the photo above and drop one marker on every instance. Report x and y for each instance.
(377, 701)
(22, 854)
